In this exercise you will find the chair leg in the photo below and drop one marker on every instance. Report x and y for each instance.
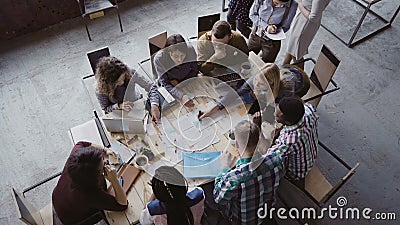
(87, 30)
(119, 19)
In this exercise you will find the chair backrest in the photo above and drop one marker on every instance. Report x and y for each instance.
(317, 185)
(95, 55)
(324, 68)
(205, 23)
(27, 213)
(156, 43)
(321, 75)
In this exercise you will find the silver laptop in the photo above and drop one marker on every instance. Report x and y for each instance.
(134, 126)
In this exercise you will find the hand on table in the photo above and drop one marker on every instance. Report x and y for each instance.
(127, 106)
(272, 29)
(187, 101)
(155, 113)
(208, 113)
(220, 51)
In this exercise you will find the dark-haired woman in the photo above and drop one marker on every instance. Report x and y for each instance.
(81, 190)
(174, 204)
(175, 63)
(116, 84)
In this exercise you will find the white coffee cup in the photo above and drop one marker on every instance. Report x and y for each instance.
(245, 68)
(140, 161)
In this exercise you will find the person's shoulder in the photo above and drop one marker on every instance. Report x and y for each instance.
(206, 36)
(309, 109)
(272, 159)
(237, 36)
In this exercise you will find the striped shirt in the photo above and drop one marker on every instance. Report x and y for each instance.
(245, 188)
(297, 144)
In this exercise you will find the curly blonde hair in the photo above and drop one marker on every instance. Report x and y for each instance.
(108, 70)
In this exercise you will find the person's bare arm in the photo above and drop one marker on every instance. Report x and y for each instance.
(111, 175)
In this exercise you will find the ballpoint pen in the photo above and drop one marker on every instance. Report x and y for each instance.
(157, 130)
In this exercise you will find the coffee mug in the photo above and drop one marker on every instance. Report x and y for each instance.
(245, 68)
(140, 161)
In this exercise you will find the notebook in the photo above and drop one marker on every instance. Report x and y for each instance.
(127, 175)
(124, 125)
(91, 131)
(201, 164)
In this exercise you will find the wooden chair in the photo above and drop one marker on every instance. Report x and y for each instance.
(95, 55)
(317, 189)
(156, 43)
(95, 8)
(321, 76)
(28, 214)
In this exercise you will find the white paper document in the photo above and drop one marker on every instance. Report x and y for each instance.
(279, 35)
(86, 132)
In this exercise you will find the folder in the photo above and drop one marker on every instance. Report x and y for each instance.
(201, 164)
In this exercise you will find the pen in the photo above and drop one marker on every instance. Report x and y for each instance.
(157, 130)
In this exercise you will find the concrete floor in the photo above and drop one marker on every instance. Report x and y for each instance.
(41, 96)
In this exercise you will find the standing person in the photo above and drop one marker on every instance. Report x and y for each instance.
(174, 204)
(242, 190)
(116, 84)
(175, 63)
(81, 190)
(220, 47)
(304, 27)
(269, 16)
(298, 140)
(238, 16)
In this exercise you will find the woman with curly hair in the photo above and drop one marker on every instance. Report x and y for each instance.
(116, 84)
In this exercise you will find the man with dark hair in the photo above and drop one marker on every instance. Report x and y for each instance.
(297, 141)
(242, 190)
(269, 16)
(221, 46)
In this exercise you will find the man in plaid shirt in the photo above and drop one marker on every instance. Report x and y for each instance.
(298, 139)
(252, 182)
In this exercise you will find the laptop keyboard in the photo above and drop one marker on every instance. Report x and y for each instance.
(229, 77)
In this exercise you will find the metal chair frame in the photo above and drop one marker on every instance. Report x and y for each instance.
(87, 9)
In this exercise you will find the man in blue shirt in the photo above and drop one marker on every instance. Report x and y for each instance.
(269, 16)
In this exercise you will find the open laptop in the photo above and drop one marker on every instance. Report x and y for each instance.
(134, 126)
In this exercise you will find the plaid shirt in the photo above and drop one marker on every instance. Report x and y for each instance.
(244, 189)
(297, 144)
